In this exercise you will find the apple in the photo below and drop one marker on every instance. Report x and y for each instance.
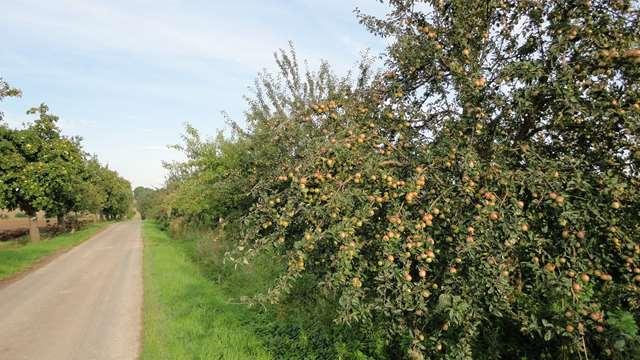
(569, 328)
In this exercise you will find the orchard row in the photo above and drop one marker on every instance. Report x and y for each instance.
(478, 197)
(43, 170)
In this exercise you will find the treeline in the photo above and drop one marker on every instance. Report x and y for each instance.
(479, 197)
(43, 170)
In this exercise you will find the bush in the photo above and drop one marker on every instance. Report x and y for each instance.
(301, 326)
(478, 199)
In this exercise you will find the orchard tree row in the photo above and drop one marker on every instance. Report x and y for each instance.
(478, 198)
(43, 170)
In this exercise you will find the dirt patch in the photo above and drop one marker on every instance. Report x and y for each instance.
(16, 233)
(23, 223)
(13, 228)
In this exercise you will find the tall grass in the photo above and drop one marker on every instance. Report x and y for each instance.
(185, 315)
(190, 289)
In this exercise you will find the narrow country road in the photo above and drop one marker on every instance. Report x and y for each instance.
(85, 304)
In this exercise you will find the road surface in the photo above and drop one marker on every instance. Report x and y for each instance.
(85, 304)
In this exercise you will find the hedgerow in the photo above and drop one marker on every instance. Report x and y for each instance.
(480, 197)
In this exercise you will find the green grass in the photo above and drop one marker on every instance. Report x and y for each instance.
(192, 311)
(18, 255)
(186, 316)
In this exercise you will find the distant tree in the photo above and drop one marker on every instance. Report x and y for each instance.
(144, 198)
(6, 148)
(119, 197)
(25, 171)
(92, 191)
(216, 179)
(7, 91)
(42, 169)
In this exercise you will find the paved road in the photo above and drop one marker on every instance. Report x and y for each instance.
(86, 304)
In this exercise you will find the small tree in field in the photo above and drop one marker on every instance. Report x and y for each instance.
(62, 173)
(144, 200)
(41, 169)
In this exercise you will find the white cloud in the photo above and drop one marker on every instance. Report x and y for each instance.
(96, 26)
(139, 68)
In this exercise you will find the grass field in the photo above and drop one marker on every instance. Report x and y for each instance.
(18, 255)
(186, 316)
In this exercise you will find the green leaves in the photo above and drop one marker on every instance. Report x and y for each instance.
(44, 170)
(482, 192)
(7, 91)
(624, 323)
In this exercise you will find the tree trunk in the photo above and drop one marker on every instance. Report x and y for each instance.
(60, 221)
(34, 231)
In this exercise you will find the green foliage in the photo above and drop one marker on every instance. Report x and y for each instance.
(144, 200)
(43, 170)
(480, 198)
(214, 181)
(185, 316)
(7, 91)
(624, 332)
(119, 197)
(40, 167)
(153, 204)
(93, 189)
(300, 327)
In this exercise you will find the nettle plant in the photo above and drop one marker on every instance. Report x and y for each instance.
(481, 198)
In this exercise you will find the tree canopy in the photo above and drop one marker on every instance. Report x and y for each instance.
(43, 170)
(478, 197)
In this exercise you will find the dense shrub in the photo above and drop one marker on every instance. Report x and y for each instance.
(302, 325)
(223, 177)
(480, 197)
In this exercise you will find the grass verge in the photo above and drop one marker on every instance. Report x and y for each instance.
(17, 256)
(192, 310)
(186, 316)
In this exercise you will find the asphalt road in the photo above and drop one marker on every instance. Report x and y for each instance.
(85, 304)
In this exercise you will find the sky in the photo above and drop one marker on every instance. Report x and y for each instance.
(126, 75)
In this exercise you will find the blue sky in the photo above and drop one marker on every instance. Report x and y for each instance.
(127, 74)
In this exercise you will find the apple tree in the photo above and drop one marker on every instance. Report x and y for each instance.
(481, 197)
